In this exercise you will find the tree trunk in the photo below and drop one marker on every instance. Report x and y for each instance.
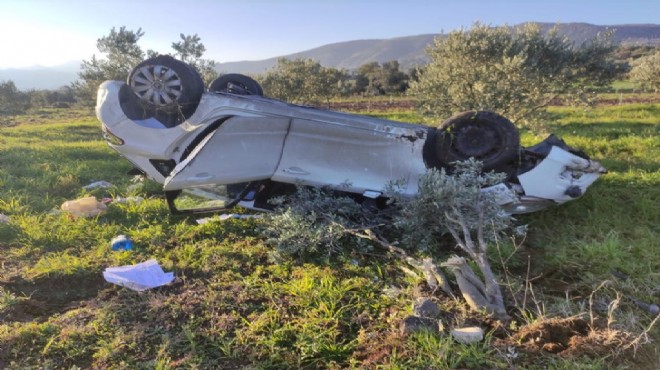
(493, 291)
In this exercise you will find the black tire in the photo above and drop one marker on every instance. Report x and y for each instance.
(167, 84)
(485, 136)
(236, 83)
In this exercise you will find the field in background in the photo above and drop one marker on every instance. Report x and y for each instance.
(233, 305)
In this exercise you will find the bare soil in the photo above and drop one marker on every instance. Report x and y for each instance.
(566, 337)
(44, 297)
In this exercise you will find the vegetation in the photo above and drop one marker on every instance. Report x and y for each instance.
(380, 79)
(308, 82)
(11, 100)
(190, 50)
(317, 220)
(455, 205)
(302, 81)
(515, 72)
(645, 72)
(320, 285)
(121, 53)
(234, 304)
(305, 81)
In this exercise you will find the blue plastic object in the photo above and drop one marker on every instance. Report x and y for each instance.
(121, 243)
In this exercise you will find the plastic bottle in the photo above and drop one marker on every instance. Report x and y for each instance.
(121, 243)
(84, 207)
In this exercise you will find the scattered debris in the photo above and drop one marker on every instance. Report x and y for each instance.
(651, 308)
(83, 207)
(4, 219)
(140, 277)
(224, 217)
(97, 185)
(468, 335)
(127, 199)
(135, 187)
(137, 183)
(512, 352)
(121, 243)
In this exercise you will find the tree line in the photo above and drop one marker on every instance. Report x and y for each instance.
(516, 72)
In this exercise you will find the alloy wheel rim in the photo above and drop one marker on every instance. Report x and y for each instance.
(156, 84)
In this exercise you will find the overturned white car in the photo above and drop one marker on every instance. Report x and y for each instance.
(229, 145)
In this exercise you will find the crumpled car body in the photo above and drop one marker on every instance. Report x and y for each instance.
(236, 148)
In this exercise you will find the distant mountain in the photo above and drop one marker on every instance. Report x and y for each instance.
(410, 51)
(40, 77)
(640, 34)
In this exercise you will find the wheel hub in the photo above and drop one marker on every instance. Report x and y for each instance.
(475, 141)
(157, 85)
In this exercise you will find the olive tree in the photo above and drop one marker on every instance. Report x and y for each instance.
(120, 53)
(302, 81)
(645, 72)
(516, 72)
(376, 79)
(12, 100)
(190, 50)
(457, 205)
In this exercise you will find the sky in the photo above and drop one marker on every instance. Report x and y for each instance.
(53, 32)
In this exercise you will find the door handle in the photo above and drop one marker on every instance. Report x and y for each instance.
(296, 171)
(201, 177)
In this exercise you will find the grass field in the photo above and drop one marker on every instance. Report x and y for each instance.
(233, 305)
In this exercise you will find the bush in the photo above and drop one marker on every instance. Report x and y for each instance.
(515, 72)
(645, 72)
(302, 81)
(12, 101)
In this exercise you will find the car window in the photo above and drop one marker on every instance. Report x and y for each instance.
(209, 197)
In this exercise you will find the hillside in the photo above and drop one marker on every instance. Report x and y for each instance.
(410, 50)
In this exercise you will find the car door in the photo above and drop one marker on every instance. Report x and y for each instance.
(351, 157)
(242, 149)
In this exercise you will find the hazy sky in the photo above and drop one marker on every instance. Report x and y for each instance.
(51, 32)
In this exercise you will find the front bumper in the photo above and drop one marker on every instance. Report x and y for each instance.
(560, 177)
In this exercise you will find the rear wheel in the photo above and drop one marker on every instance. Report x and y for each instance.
(485, 136)
(165, 84)
(236, 83)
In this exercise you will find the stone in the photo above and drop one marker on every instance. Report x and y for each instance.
(414, 324)
(426, 307)
(468, 335)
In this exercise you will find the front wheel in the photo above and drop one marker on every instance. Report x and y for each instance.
(485, 136)
(236, 83)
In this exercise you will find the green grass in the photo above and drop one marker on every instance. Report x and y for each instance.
(233, 304)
